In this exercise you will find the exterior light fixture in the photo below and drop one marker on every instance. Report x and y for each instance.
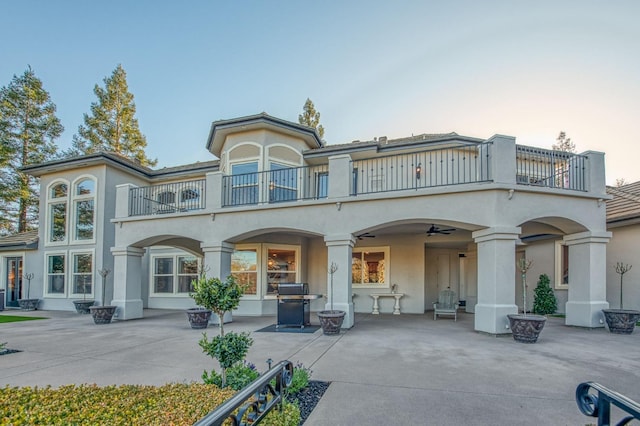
(418, 170)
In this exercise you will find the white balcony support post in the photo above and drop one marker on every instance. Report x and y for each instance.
(213, 192)
(587, 278)
(595, 173)
(339, 176)
(122, 200)
(502, 159)
(339, 253)
(127, 282)
(217, 259)
(496, 278)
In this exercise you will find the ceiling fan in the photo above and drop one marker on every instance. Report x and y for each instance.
(365, 235)
(434, 230)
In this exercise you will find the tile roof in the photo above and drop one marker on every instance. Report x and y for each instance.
(625, 204)
(23, 241)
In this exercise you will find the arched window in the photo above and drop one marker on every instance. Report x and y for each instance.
(84, 209)
(57, 201)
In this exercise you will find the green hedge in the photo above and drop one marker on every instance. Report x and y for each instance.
(172, 404)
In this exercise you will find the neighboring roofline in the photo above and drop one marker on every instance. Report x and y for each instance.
(390, 145)
(29, 243)
(221, 128)
(117, 161)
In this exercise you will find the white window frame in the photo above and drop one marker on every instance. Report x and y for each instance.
(558, 266)
(175, 274)
(51, 201)
(74, 198)
(266, 248)
(387, 266)
(65, 275)
(72, 273)
(259, 269)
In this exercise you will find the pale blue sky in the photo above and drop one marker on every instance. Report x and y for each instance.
(526, 69)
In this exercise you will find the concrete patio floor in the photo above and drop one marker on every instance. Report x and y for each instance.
(386, 370)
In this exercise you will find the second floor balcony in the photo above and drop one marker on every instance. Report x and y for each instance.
(498, 160)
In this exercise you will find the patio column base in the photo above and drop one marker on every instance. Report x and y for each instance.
(128, 309)
(492, 319)
(585, 314)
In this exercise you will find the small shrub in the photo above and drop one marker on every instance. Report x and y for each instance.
(289, 416)
(228, 349)
(238, 376)
(544, 301)
(301, 376)
(3, 346)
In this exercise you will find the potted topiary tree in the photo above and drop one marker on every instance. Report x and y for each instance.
(621, 321)
(28, 304)
(103, 314)
(525, 328)
(82, 306)
(331, 320)
(544, 300)
(221, 297)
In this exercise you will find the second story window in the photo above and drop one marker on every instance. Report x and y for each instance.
(83, 207)
(57, 200)
(283, 183)
(245, 183)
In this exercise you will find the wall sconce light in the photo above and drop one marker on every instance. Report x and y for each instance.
(511, 191)
(600, 201)
(339, 205)
(418, 170)
(213, 217)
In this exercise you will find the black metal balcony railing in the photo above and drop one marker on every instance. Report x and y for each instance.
(599, 404)
(553, 169)
(255, 400)
(276, 186)
(167, 198)
(436, 167)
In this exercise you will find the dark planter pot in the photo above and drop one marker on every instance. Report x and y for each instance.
(331, 321)
(526, 328)
(82, 306)
(28, 304)
(199, 318)
(102, 314)
(621, 321)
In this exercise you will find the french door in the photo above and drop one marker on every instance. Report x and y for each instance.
(13, 280)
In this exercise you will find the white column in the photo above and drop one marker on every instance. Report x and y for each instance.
(587, 278)
(339, 253)
(340, 176)
(217, 259)
(127, 282)
(496, 278)
(122, 200)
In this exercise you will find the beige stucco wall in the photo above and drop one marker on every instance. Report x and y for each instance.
(623, 248)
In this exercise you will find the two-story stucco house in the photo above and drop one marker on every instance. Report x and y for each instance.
(275, 204)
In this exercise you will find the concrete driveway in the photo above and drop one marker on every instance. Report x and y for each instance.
(386, 370)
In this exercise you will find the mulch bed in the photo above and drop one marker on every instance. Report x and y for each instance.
(309, 397)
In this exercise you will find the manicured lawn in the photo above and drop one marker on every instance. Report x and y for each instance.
(16, 318)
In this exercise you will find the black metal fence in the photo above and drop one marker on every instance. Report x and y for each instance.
(436, 167)
(276, 186)
(255, 400)
(553, 169)
(595, 400)
(167, 198)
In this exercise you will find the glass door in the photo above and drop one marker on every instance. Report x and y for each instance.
(14, 280)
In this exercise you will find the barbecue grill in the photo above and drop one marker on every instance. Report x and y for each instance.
(294, 302)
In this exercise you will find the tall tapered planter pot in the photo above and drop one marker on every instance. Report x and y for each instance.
(103, 314)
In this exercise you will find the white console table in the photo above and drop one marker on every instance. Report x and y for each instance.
(396, 307)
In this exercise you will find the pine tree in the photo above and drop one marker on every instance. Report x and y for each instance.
(544, 301)
(310, 117)
(28, 129)
(112, 125)
(564, 143)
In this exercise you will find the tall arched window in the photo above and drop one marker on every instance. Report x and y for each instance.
(57, 201)
(83, 209)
